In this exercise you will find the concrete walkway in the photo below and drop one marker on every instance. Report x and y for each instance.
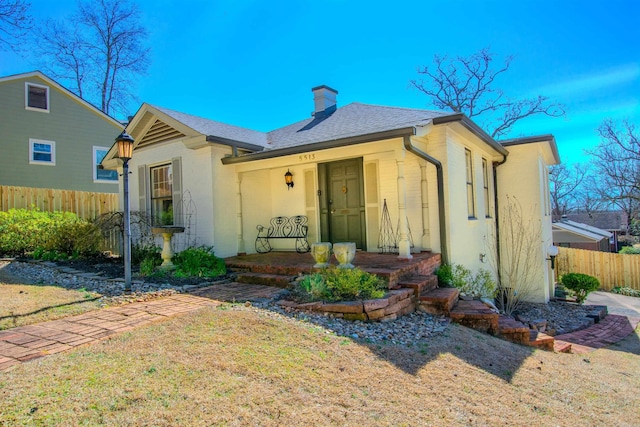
(30, 342)
(617, 304)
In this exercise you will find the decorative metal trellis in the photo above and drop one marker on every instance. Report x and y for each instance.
(388, 239)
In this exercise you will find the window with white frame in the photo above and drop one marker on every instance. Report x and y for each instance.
(99, 174)
(162, 194)
(36, 97)
(471, 208)
(42, 152)
(485, 185)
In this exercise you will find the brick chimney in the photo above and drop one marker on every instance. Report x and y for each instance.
(324, 98)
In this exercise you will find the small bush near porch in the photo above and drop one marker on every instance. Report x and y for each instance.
(339, 284)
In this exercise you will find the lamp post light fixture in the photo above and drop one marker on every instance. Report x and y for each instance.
(288, 179)
(125, 150)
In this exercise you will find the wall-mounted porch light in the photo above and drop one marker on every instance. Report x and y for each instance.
(288, 179)
(552, 251)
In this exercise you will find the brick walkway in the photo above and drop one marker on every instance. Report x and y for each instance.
(609, 330)
(25, 343)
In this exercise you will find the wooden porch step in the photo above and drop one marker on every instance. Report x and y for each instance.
(266, 279)
(419, 283)
(438, 301)
(475, 315)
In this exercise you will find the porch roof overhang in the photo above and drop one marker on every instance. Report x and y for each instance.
(583, 232)
(323, 145)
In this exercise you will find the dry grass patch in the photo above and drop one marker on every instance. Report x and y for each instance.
(29, 304)
(244, 366)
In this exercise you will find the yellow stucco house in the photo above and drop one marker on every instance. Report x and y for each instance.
(441, 178)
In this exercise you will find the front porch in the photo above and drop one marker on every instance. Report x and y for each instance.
(291, 264)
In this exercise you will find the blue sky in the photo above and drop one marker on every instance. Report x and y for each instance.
(253, 63)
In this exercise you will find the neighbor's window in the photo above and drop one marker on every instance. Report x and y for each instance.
(162, 194)
(100, 174)
(36, 97)
(471, 209)
(485, 184)
(42, 152)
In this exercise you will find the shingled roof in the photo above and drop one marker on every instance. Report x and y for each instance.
(348, 121)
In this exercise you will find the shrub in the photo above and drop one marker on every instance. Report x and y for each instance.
(625, 290)
(630, 250)
(141, 253)
(445, 275)
(29, 231)
(339, 284)
(581, 284)
(458, 276)
(198, 262)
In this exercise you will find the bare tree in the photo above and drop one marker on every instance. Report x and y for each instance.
(617, 166)
(101, 54)
(565, 183)
(15, 23)
(467, 85)
(516, 264)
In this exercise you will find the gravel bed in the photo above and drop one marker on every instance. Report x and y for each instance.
(411, 329)
(112, 289)
(561, 317)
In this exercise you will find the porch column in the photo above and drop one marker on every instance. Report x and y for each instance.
(404, 245)
(426, 237)
(241, 249)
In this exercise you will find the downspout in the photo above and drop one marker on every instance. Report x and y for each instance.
(497, 214)
(444, 252)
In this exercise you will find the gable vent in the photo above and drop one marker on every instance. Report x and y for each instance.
(160, 132)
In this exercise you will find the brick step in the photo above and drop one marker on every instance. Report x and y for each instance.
(419, 283)
(438, 301)
(512, 330)
(475, 315)
(541, 340)
(562, 346)
(266, 279)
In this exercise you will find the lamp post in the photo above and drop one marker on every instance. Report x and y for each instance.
(125, 150)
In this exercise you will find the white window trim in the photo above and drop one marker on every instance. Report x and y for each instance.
(470, 181)
(40, 162)
(26, 97)
(94, 164)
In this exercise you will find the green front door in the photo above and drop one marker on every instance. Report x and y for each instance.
(344, 202)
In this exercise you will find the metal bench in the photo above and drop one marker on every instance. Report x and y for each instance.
(283, 227)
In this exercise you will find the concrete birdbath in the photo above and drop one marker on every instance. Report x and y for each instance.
(167, 233)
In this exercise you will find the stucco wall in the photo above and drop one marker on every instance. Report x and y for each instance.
(523, 177)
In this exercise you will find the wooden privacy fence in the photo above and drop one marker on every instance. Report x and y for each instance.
(85, 204)
(611, 269)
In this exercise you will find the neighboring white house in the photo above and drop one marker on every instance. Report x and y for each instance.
(443, 179)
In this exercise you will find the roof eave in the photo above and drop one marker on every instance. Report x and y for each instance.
(233, 143)
(473, 128)
(533, 139)
(323, 145)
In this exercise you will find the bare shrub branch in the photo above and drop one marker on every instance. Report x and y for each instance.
(518, 266)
